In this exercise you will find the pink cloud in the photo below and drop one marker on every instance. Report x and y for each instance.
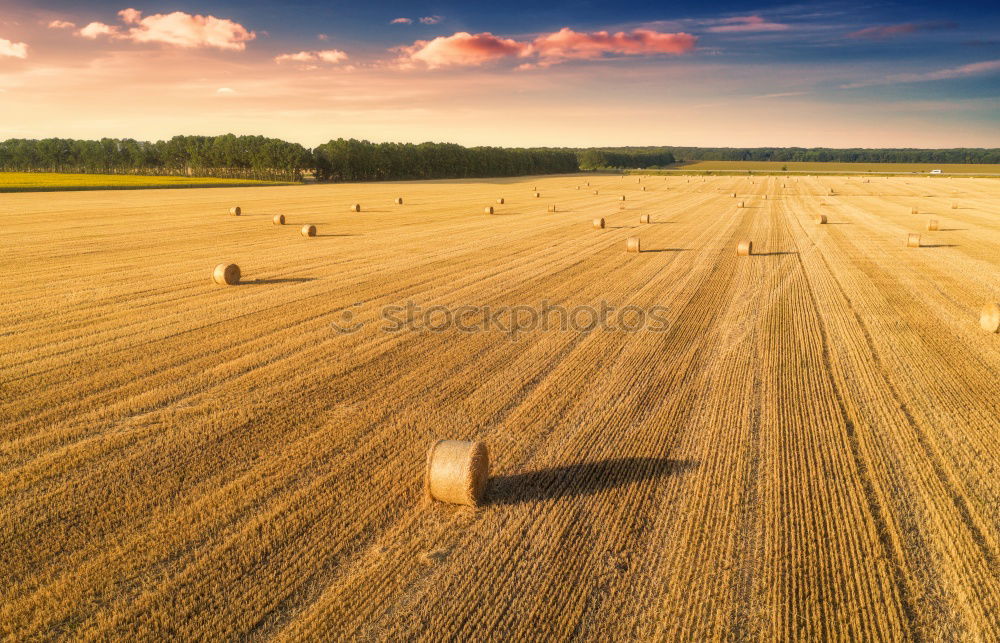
(178, 29)
(62, 24)
(746, 24)
(889, 31)
(11, 49)
(462, 49)
(431, 20)
(401, 21)
(329, 56)
(465, 49)
(569, 44)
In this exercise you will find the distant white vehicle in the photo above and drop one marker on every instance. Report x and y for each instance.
(935, 171)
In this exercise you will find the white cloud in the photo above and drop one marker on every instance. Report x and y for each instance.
(961, 71)
(13, 49)
(431, 20)
(329, 56)
(62, 24)
(401, 21)
(225, 91)
(178, 29)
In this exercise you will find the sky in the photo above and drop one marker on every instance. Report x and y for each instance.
(512, 73)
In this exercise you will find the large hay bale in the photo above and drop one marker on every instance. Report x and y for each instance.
(913, 211)
(732, 194)
(913, 240)
(308, 230)
(621, 198)
(226, 274)
(645, 218)
(538, 195)
(744, 249)
(500, 201)
(932, 225)
(457, 472)
(821, 219)
(764, 197)
(989, 318)
(741, 204)
(596, 191)
(599, 224)
(488, 209)
(399, 200)
(644, 188)
(356, 207)
(235, 211)
(552, 208)
(278, 219)
(632, 244)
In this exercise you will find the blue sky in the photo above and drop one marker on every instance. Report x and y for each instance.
(583, 73)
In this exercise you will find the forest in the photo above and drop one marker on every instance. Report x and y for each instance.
(262, 158)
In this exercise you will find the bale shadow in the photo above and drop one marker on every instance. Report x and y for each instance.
(838, 223)
(620, 227)
(286, 280)
(775, 254)
(939, 245)
(343, 234)
(953, 230)
(582, 479)
(666, 250)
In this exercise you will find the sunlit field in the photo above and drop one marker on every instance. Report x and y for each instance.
(839, 168)
(802, 444)
(52, 181)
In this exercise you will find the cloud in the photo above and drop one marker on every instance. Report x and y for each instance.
(890, 31)
(470, 50)
(401, 21)
(329, 56)
(13, 49)
(781, 95)
(178, 29)
(62, 24)
(972, 69)
(225, 91)
(431, 20)
(322, 36)
(743, 24)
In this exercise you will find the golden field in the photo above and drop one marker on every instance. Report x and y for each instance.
(820, 167)
(56, 181)
(808, 450)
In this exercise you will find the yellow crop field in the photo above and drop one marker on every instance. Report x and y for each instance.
(684, 443)
(792, 166)
(54, 181)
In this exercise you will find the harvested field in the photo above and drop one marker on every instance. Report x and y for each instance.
(805, 448)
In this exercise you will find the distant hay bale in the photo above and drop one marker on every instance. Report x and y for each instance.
(989, 318)
(764, 197)
(599, 224)
(457, 472)
(821, 219)
(308, 231)
(913, 240)
(596, 191)
(488, 209)
(932, 225)
(831, 193)
(644, 188)
(226, 274)
(235, 211)
(732, 194)
(632, 244)
(621, 206)
(744, 248)
(954, 205)
(278, 219)
(356, 207)
(913, 211)
(500, 201)
(645, 218)
(621, 198)
(538, 194)
(399, 200)
(741, 204)
(552, 208)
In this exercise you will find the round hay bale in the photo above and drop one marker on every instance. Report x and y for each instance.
(954, 205)
(645, 218)
(235, 211)
(741, 204)
(744, 249)
(356, 207)
(399, 200)
(913, 211)
(578, 187)
(599, 224)
(621, 206)
(764, 197)
(632, 244)
(821, 219)
(644, 188)
(457, 472)
(308, 231)
(989, 318)
(913, 240)
(621, 198)
(595, 191)
(538, 195)
(488, 209)
(226, 274)
(500, 201)
(278, 219)
(552, 208)
(732, 194)
(831, 192)
(932, 225)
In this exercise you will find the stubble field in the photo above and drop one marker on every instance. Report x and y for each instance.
(807, 449)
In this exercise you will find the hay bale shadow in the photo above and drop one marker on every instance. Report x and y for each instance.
(776, 254)
(582, 479)
(286, 280)
(666, 250)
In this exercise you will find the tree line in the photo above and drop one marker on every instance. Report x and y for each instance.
(262, 158)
